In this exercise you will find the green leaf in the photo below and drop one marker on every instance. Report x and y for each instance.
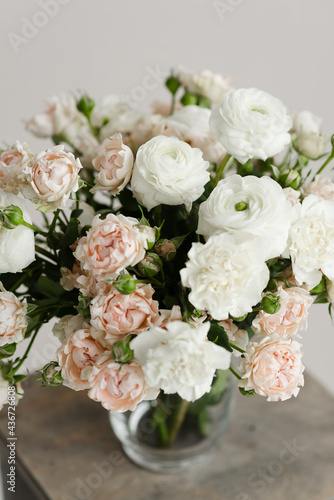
(246, 393)
(218, 335)
(19, 378)
(215, 395)
(49, 288)
(7, 350)
(71, 234)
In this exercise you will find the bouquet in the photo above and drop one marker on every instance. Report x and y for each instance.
(168, 244)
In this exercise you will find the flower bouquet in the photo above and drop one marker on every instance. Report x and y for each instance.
(179, 250)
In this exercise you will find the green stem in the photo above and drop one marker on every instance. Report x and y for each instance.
(34, 228)
(172, 108)
(21, 280)
(221, 167)
(329, 159)
(235, 373)
(178, 421)
(157, 215)
(236, 347)
(24, 357)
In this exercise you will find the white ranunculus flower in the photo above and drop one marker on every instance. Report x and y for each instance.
(61, 116)
(213, 86)
(305, 123)
(251, 123)
(250, 206)
(17, 246)
(226, 275)
(308, 139)
(179, 359)
(191, 124)
(168, 171)
(311, 238)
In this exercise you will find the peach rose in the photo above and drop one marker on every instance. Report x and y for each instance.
(12, 161)
(290, 318)
(13, 320)
(169, 315)
(111, 245)
(116, 315)
(119, 387)
(238, 337)
(273, 368)
(51, 178)
(114, 162)
(77, 356)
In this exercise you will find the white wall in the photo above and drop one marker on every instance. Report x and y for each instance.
(108, 46)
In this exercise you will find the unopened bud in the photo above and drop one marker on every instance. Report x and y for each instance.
(311, 145)
(189, 99)
(270, 303)
(173, 84)
(204, 102)
(51, 374)
(290, 178)
(86, 105)
(121, 351)
(150, 265)
(11, 217)
(166, 249)
(125, 284)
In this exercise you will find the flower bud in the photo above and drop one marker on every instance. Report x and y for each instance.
(204, 102)
(121, 351)
(125, 284)
(11, 217)
(150, 265)
(311, 145)
(270, 303)
(150, 234)
(166, 249)
(51, 374)
(290, 178)
(86, 105)
(189, 99)
(173, 84)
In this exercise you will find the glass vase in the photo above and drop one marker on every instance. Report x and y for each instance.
(169, 434)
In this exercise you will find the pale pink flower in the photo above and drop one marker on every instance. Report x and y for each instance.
(116, 315)
(273, 368)
(321, 186)
(114, 163)
(237, 336)
(168, 315)
(51, 178)
(292, 195)
(13, 319)
(12, 161)
(85, 281)
(290, 318)
(77, 356)
(119, 387)
(67, 325)
(111, 245)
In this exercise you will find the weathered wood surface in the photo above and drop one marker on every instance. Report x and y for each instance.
(273, 451)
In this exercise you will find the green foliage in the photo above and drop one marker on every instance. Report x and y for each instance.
(218, 335)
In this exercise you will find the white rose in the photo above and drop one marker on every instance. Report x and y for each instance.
(13, 318)
(310, 243)
(226, 275)
(51, 178)
(61, 116)
(213, 86)
(249, 206)
(168, 171)
(179, 359)
(87, 144)
(17, 246)
(251, 124)
(114, 162)
(307, 137)
(191, 125)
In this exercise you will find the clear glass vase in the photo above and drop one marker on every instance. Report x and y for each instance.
(170, 434)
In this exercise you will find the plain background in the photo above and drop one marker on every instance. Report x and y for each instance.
(106, 46)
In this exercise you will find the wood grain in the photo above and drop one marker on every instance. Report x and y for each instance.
(273, 451)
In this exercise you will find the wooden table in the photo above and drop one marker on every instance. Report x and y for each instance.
(273, 451)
